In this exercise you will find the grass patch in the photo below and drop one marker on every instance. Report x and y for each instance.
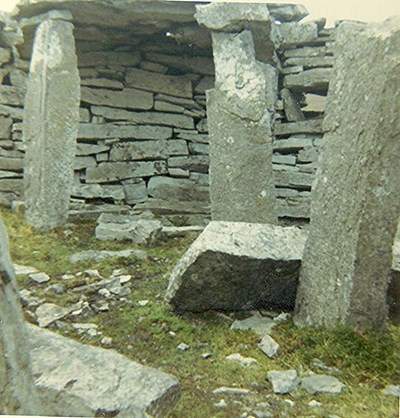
(150, 334)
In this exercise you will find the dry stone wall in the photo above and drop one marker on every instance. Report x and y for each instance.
(143, 135)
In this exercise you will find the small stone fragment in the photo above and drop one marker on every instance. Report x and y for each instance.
(269, 346)
(143, 302)
(230, 391)
(322, 384)
(93, 273)
(244, 361)
(39, 277)
(283, 381)
(183, 347)
(314, 403)
(49, 312)
(56, 288)
(206, 355)
(221, 404)
(24, 270)
(67, 277)
(392, 390)
(104, 292)
(106, 341)
(259, 324)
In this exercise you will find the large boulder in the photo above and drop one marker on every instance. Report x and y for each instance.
(238, 266)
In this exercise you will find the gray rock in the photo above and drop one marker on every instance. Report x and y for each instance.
(349, 252)
(39, 277)
(291, 107)
(56, 288)
(113, 171)
(152, 66)
(283, 381)
(49, 312)
(135, 191)
(83, 149)
(29, 301)
(91, 191)
(311, 126)
(144, 118)
(104, 255)
(241, 188)
(18, 394)
(147, 150)
(293, 33)
(173, 206)
(223, 390)
(103, 58)
(206, 83)
(113, 130)
(214, 273)
(10, 95)
(161, 187)
(314, 80)
(244, 361)
(198, 163)
(180, 231)
(294, 143)
(194, 137)
(310, 62)
(102, 82)
(179, 86)
(71, 376)
(269, 346)
(287, 12)
(259, 324)
(24, 270)
(319, 51)
(142, 231)
(392, 390)
(322, 384)
(52, 100)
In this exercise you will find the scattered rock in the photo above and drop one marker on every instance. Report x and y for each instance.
(269, 346)
(104, 292)
(314, 403)
(230, 391)
(125, 278)
(89, 329)
(262, 414)
(39, 277)
(28, 300)
(101, 306)
(24, 270)
(67, 277)
(282, 317)
(244, 361)
(183, 347)
(49, 312)
(56, 288)
(104, 255)
(392, 390)
(143, 302)
(106, 341)
(322, 384)
(317, 363)
(93, 273)
(283, 381)
(206, 355)
(257, 323)
(221, 404)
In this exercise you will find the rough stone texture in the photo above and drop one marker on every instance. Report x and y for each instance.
(292, 108)
(80, 380)
(283, 381)
(104, 255)
(316, 79)
(216, 270)
(261, 325)
(241, 185)
(161, 187)
(269, 346)
(50, 125)
(114, 130)
(322, 384)
(17, 392)
(356, 197)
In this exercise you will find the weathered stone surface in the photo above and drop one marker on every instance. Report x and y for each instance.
(159, 83)
(84, 162)
(311, 126)
(291, 107)
(112, 171)
(90, 149)
(287, 12)
(242, 187)
(104, 255)
(80, 380)
(261, 325)
(142, 231)
(91, 191)
(206, 83)
(148, 150)
(356, 197)
(293, 179)
(18, 394)
(316, 79)
(269, 346)
(173, 206)
(145, 118)
(198, 163)
(126, 98)
(322, 384)
(200, 65)
(5, 127)
(113, 130)
(102, 82)
(216, 270)
(293, 33)
(309, 62)
(10, 95)
(103, 58)
(47, 313)
(283, 381)
(306, 52)
(12, 164)
(293, 207)
(152, 66)
(161, 187)
(50, 125)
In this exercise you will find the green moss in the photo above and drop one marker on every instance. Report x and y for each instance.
(150, 334)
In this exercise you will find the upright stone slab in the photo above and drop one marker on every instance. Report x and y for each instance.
(17, 390)
(241, 178)
(356, 197)
(51, 124)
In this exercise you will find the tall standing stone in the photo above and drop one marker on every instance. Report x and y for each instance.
(239, 121)
(356, 197)
(17, 391)
(51, 124)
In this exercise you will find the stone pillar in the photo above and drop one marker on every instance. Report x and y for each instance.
(356, 196)
(51, 124)
(239, 112)
(17, 391)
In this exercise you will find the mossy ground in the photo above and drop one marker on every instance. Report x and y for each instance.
(368, 361)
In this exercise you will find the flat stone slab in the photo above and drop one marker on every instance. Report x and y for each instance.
(238, 266)
(283, 381)
(322, 384)
(80, 380)
(103, 255)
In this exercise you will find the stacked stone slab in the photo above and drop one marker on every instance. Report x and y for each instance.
(18, 393)
(12, 92)
(356, 199)
(51, 123)
(305, 51)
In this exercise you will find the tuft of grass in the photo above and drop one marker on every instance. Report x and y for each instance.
(150, 334)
